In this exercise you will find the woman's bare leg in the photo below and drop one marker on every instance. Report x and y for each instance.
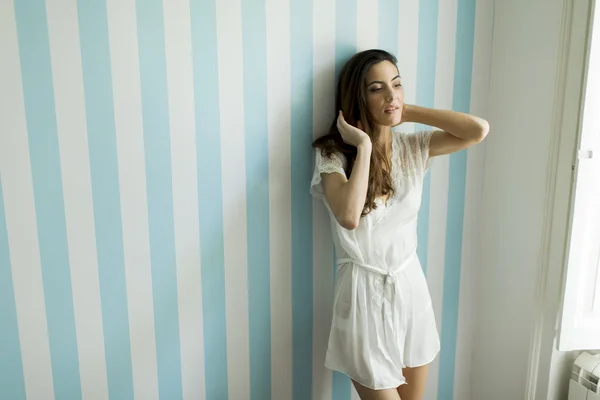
(415, 379)
(370, 394)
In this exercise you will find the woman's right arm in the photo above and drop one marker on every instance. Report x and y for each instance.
(346, 197)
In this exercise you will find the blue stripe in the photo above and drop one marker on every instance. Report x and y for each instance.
(12, 384)
(345, 33)
(38, 91)
(254, 36)
(340, 386)
(210, 198)
(97, 79)
(345, 48)
(301, 159)
(155, 116)
(388, 25)
(340, 383)
(456, 201)
(426, 58)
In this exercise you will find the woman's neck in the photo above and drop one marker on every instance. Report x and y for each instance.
(384, 138)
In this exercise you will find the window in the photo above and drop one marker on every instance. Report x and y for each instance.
(580, 316)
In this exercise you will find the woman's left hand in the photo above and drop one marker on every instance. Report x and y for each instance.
(405, 113)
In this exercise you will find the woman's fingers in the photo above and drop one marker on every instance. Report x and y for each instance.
(341, 122)
(341, 119)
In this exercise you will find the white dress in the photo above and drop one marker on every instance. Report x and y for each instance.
(383, 319)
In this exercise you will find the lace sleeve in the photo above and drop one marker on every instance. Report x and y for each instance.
(336, 163)
(419, 146)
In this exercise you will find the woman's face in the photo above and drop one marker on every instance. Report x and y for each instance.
(385, 95)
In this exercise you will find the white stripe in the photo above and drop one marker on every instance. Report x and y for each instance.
(178, 47)
(122, 29)
(21, 224)
(323, 115)
(280, 213)
(408, 30)
(367, 19)
(63, 31)
(445, 55)
(438, 208)
(233, 168)
(482, 55)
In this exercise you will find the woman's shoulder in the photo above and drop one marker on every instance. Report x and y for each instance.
(412, 151)
(411, 136)
(415, 142)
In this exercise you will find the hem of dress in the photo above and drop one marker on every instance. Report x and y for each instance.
(425, 363)
(402, 382)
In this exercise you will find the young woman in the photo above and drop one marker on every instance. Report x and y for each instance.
(383, 333)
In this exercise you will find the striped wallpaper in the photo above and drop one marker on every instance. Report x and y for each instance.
(157, 236)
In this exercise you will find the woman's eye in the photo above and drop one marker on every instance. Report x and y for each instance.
(398, 85)
(374, 90)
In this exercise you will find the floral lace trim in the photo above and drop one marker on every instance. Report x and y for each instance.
(396, 168)
(331, 164)
(407, 155)
(407, 151)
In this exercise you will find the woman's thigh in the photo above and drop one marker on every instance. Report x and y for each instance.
(416, 378)
(370, 394)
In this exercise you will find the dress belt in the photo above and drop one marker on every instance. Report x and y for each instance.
(390, 276)
(392, 330)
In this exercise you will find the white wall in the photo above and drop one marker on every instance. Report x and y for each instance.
(526, 197)
(521, 101)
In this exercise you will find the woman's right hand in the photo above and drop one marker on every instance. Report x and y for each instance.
(351, 135)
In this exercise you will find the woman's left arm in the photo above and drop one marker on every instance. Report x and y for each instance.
(458, 130)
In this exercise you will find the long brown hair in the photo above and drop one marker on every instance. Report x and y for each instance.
(350, 97)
